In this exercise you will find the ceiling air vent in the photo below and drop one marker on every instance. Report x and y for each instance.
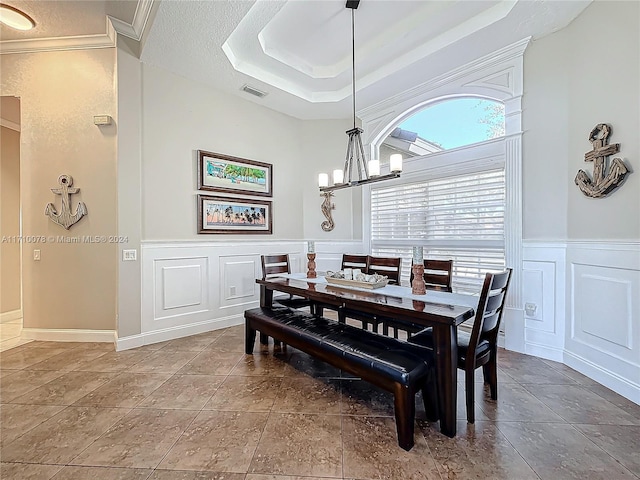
(253, 91)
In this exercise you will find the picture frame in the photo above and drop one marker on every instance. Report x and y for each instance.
(227, 174)
(226, 215)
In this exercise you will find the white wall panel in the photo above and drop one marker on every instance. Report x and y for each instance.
(181, 286)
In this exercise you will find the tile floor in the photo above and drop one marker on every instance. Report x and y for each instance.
(198, 408)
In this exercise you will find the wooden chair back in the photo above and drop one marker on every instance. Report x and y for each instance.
(489, 312)
(389, 266)
(438, 275)
(354, 261)
(273, 265)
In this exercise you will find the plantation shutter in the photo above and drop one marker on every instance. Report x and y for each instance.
(457, 217)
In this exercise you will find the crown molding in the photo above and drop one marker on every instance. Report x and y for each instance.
(79, 42)
(140, 18)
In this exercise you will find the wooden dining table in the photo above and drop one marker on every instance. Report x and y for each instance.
(441, 310)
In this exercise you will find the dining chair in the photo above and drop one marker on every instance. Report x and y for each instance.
(480, 347)
(438, 275)
(274, 265)
(388, 266)
(354, 261)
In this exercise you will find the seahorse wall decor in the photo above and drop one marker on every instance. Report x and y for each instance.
(603, 182)
(326, 208)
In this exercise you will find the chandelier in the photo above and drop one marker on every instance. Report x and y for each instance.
(355, 158)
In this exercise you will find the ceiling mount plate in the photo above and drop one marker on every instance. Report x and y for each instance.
(353, 4)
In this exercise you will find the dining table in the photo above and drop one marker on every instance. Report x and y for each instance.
(442, 311)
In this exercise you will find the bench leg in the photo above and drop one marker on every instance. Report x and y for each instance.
(405, 411)
(249, 338)
(264, 339)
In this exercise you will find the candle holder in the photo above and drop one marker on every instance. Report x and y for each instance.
(417, 284)
(311, 266)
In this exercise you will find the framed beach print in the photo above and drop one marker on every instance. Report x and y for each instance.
(223, 173)
(233, 215)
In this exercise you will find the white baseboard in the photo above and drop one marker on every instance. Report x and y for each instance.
(544, 351)
(609, 379)
(68, 335)
(10, 316)
(148, 338)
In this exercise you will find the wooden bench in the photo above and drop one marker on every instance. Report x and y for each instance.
(394, 365)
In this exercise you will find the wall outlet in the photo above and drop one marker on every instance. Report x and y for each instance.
(36, 255)
(129, 255)
(530, 309)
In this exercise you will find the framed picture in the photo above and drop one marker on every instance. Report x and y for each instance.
(223, 173)
(233, 215)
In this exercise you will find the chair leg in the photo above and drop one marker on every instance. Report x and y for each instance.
(264, 339)
(405, 412)
(469, 391)
(342, 318)
(490, 372)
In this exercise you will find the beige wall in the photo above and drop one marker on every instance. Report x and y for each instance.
(10, 218)
(574, 80)
(181, 116)
(74, 285)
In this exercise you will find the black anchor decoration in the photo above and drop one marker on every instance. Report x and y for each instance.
(603, 183)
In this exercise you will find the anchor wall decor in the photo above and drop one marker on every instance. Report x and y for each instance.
(603, 183)
(65, 218)
(326, 208)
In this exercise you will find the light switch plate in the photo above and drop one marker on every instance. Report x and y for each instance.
(129, 255)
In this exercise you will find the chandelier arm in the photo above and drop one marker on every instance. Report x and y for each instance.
(362, 157)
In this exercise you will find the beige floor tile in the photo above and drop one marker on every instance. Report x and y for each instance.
(11, 343)
(301, 364)
(140, 440)
(371, 451)
(102, 473)
(163, 362)
(23, 381)
(576, 404)
(113, 361)
(557, 451)
(622, 442)
(188, 475)
(528, 369)
(193, 343)
(227, 344)
(515, 404)
(125, 390)
(300, 444)
(245, 394)
(309, 395)
(218, 441)
(68, 360)
(210, 362)
(26, 357)
(190, 392)
(361, 398)
(25, 471)
(260, 364)
(618, 400)
(259, 476)
(19, 419)
(478, 451)
(65, 389)
(61, 437)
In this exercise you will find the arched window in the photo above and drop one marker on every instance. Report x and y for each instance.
(451, 198)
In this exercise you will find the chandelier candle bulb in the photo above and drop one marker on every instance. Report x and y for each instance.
(338, 177)
(374, 168)
(395, 162)
(323, 180)
(311, 246)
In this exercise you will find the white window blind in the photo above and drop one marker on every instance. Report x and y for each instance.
(458, 217)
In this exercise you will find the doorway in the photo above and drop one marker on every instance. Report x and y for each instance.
(10, 225)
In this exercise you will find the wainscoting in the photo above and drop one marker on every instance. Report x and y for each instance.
(580, 299)
(190, 288)
(582, 308)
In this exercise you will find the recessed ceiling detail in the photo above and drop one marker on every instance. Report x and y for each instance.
(304, 48)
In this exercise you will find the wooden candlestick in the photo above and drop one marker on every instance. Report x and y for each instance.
(417, 285)
(311, 265)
